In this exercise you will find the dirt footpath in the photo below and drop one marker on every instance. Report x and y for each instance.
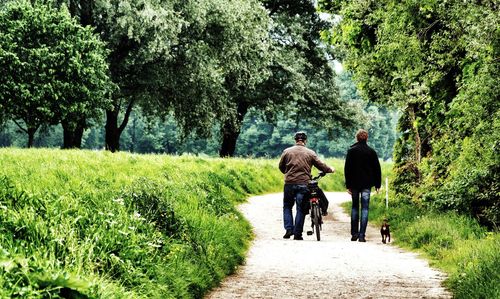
(335, 267)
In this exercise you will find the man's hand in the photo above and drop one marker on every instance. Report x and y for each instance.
(349, 191)
(377, 190)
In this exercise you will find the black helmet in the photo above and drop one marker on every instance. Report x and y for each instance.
(300, 136)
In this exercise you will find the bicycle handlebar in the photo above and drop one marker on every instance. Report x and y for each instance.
(320, 175)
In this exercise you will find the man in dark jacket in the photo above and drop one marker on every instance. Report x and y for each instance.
(362, 171)
(296, 163)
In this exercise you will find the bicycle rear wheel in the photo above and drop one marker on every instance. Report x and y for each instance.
(316, 214)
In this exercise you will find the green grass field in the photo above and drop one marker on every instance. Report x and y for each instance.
(91, 224)
(101, 225)
(80, 224)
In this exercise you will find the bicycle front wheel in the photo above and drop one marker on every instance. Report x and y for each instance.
(316, 214)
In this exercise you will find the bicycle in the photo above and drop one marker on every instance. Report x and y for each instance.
(314, 200)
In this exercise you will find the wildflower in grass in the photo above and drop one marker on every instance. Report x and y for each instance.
(3, 251)
(138, 216)
(116, 258)
(111, 222)
(153, 245)
(7, 265)
(119, 201)
(60, 241)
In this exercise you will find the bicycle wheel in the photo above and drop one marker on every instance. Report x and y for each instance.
(316, 214)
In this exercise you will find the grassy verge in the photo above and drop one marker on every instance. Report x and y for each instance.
(455, 244)
(82, 224)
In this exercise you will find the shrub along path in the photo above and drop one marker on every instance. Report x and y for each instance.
(335, 267)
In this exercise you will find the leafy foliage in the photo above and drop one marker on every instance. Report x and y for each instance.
(438, 62)
(140, 36)
(51, 68)
(222, 50)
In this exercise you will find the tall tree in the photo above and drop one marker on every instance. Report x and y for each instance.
(223, 51)
(301, 80)
(438, 61)
(51, 67)
(139, 35)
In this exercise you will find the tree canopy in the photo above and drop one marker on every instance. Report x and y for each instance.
(438, 61)
(223, 49)
(301, 81)
(51, 67)
(205, 63)
(139, 36)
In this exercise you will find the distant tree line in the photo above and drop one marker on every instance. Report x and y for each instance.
(258, 137)
(439, 63)
(203, 63)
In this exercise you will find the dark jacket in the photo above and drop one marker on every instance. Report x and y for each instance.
(296, 163)
(362, 168)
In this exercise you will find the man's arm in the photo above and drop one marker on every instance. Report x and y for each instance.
(377, 171)
(321, 165)
(282, 164)
(347, 171)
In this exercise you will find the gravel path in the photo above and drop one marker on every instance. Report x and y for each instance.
(335, 267)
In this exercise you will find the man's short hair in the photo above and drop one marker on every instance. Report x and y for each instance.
(361, 135)
(302, 136)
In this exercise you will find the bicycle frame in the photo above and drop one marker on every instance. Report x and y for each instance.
(316, 217)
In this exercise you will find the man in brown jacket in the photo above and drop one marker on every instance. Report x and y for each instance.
(296, 163)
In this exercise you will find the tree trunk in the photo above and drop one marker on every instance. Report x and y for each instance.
(231, 131)
(133, 137)
(86, 7)
(418, 142)
(73, 136)
(113, 131)
(31, 136)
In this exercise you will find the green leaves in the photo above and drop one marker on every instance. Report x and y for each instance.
(51, 67)
(437, 60)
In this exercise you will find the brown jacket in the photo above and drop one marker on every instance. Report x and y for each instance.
(296, 163)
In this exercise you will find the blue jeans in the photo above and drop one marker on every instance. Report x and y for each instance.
(365, 203)
(294, 194)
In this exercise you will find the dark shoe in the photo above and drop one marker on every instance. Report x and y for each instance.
(362, 240)
(298, 238)
(288, 234)
(354, 238)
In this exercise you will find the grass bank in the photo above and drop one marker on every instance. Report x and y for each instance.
(456, 244)
(84, 224)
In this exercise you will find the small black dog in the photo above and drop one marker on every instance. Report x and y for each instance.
(385, 232)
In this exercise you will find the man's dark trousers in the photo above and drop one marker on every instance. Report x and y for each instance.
(364, 195)
(294, 194)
